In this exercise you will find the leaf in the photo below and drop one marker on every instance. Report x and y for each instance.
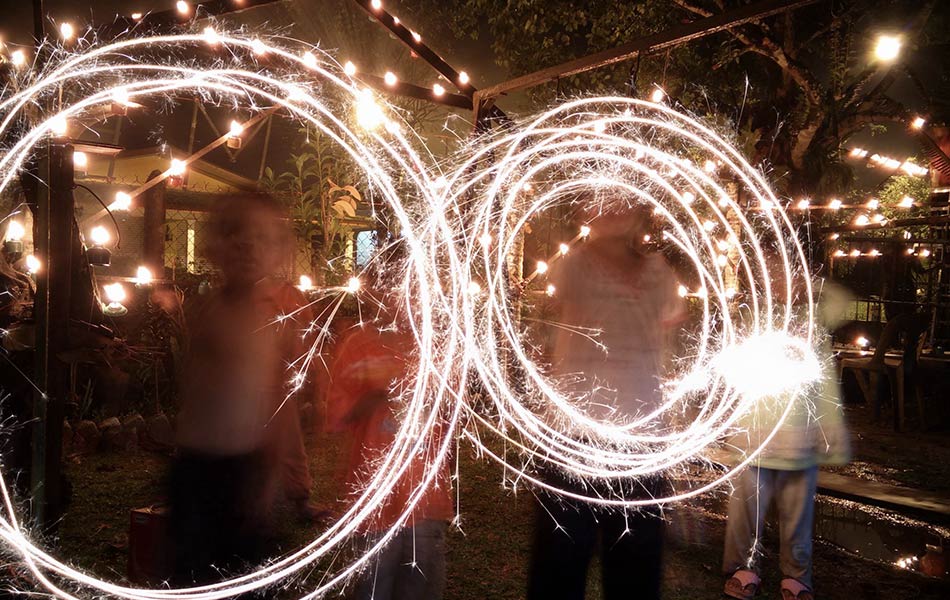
(345, 208)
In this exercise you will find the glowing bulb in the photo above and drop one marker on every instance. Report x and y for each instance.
(80, 160)
(527, 187)
(310, 60)
(183, 7)
(564, 248)
(873, 203)
(390, 78)
(803, 204)
(542, 267)
(877, 218)
(136, 16)
(550, 289)
(918, 123)
(18, 58)
(123, 201)
(67, 31)
(839, 253)
(438, 90)
(709, 225)
(99, 236)
(177, 167)
(32, 263)
(474, 288)
(258, 47)
(730, 292)
(835, 204)
(855, 253)
(834, 236)
(416, 37)
(682, 291)
(485, 239)
(709, 166)
(874, 253)
(689, 197)
(115, 292)
(887, 47)
(585, 231)
(862, 220)
(463, 78)
(723, 260)
(657, 95)
(143, 276)
(925, 253)
(910, 251)
(647, 237)
(861, 341)
(369, 114)
(211, 36)
(236, 129)
(305, 284)
(59, 125)
(906, 202)
(376, 4)
(353, 285)
(15, 231)
(349, 68)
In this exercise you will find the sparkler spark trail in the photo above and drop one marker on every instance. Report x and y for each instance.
(461, 305)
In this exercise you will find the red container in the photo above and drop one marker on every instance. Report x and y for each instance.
(149, 558)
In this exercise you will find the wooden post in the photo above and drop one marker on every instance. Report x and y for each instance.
(54, 236)
(154, 203)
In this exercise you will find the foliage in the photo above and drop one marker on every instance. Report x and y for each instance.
(321, 209)
(801, 82)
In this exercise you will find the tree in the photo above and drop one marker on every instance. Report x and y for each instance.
(800, 84)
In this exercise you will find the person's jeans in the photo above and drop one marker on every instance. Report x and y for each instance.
(794, 495)
(410, 567)
(565, 539)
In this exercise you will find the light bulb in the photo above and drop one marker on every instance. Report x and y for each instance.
(59, 126)
(918, 123)
(353, 285)
(32, 263)
(183, 7)
(123, 201)
(67, 31)
(349, 68)
(310, 60)
(564, 248)
(585, 231)
(835, 204)
(438, 90)
(390, 78)
(369, 114)
(550, 289)
(236, 129)
(657, 95)
(115, 292)
(80, 160)
(542, 267)
(18, 58)
(143, 276)
(99, 235)
(906, 202)
(15, 231)
(888, 47)
(463, 78)
(177, 167)
(306, 283)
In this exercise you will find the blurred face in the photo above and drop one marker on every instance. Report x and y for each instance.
(250, 243)
(629, 224)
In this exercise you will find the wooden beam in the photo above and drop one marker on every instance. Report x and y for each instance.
(673, 36)
(410, 90)
(170, 19)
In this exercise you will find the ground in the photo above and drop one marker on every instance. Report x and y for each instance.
(487, 556)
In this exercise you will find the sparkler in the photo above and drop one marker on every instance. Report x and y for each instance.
(460, 308)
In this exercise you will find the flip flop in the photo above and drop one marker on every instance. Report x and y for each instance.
(793, 589)
(743, 585)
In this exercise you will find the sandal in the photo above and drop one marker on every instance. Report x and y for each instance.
(742, 585)
(793, 589)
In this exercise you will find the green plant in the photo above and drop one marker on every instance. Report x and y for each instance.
(323, 212)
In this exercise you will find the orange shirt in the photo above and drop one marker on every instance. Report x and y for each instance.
(367, 364)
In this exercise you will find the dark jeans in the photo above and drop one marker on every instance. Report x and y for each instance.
(213, 525)
(410, 567)
(566, 537)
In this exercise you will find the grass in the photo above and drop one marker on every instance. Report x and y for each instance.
(487, 556)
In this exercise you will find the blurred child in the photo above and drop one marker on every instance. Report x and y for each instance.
(612, 286)
(238, 433)
(370, 361)
(786, 471)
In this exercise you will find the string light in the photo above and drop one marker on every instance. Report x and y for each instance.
(59, 126)
(310, 59)
(376, 4)
(99, 236)
(873, 203)
(657, 95)
(123, 201)
(183, 7)
(349, 68)
(463, 78)
(15, 231)
(803, 204)
(906, 202)
(66, 31)
(550, 289)
(438, 90)
(390, 78)
(835, 204)
(305, 283)
(143, 276)
(80, 160)
(136, 16)
(918, 123)
(18, 58)
(33, 264)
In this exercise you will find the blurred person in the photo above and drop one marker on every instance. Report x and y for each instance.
(238, 434)
(786, 471)
(371, 363)
(613, 286)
